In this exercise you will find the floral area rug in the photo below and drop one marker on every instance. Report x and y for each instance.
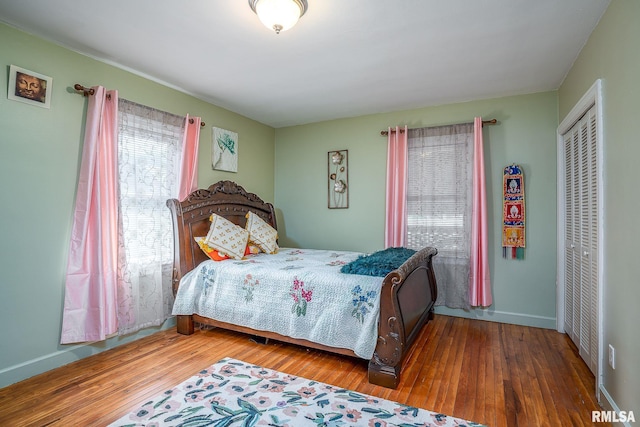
(235, 393)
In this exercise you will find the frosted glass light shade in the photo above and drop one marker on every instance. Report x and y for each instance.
(279, 15)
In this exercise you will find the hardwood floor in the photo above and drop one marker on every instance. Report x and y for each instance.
(491, 373)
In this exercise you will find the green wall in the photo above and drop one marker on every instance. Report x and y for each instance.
(40, 151)
(39, 161)
(612, 54)
(524, 291)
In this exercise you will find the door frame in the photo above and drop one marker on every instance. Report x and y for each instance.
(592, 97)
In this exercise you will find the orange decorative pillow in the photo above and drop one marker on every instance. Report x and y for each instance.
(212, 253)
(216, 255)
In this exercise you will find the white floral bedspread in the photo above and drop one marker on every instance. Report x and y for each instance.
(300, 293)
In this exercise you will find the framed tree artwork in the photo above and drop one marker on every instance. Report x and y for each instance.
(224, 150)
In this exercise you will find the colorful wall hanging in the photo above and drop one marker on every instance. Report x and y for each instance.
(513, 213)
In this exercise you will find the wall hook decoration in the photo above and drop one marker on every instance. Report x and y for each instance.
(338, 183)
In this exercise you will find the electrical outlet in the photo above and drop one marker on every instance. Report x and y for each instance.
(612, 357)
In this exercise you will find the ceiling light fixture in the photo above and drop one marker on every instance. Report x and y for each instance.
(279, 15)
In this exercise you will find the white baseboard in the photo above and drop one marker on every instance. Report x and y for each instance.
(608, 404)
(500, 317)
(30, 368)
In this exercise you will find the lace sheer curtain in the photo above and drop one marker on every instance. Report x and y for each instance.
(149, 150)
(439, 204)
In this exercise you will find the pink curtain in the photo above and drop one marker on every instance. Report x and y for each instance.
(395, 234)
(188, 176)
(479, 278)
(90, 312)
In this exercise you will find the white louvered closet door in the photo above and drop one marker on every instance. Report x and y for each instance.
(581, 237)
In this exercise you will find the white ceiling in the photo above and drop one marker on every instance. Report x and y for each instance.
(344, 58)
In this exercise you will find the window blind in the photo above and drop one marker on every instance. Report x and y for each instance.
(439, 189)
(149, 146)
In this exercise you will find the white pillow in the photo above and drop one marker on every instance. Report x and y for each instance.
(227, 237)
(261, 234)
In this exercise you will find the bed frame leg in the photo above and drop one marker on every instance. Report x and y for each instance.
(185, 325)
(384, 375)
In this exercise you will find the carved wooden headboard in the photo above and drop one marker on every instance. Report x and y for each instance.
(191, 219)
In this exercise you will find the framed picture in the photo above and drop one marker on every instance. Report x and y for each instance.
(224, 150)
(338, 183)
(29, 87)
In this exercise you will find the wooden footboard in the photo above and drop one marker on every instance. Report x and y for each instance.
(407, 300)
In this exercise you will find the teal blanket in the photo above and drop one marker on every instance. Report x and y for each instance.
(378, 263)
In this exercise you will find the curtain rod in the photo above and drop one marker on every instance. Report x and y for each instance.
(86, 91)
(484, 122)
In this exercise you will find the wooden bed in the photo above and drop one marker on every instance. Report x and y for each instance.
(407, 297)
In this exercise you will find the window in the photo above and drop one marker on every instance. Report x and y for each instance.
(439, 201)
(149, 150)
